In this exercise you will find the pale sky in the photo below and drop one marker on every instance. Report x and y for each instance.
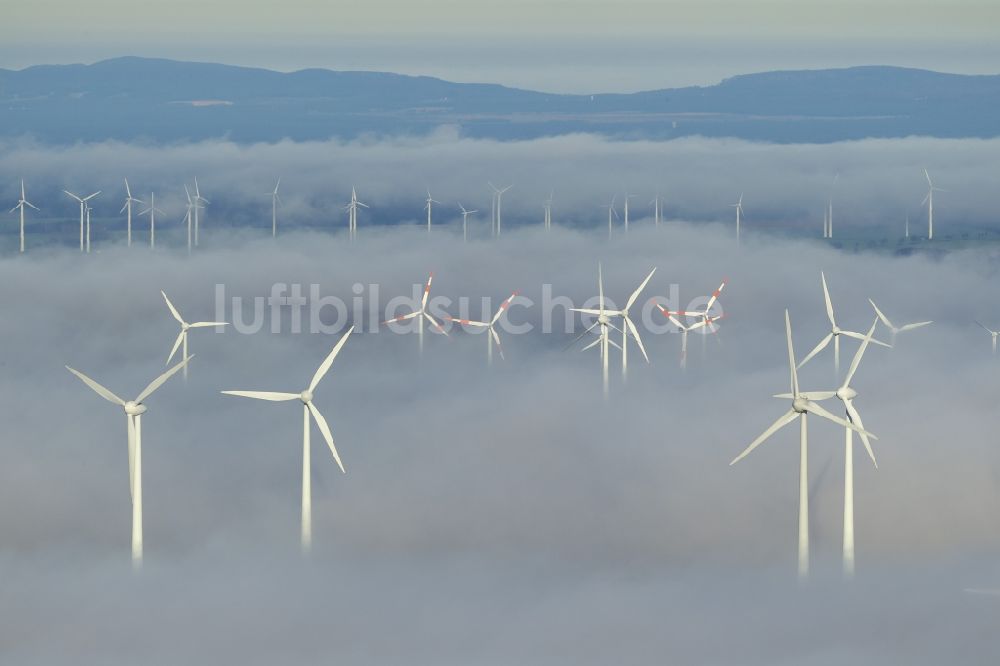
(558, 45)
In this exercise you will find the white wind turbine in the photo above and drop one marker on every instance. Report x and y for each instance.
(352, 211)
(896, 329)
(627, 197)
(308, 408)
(421, 314)
(929, 200)
(428, 206)
(152, 210)
(182, 337)
(846, 394)
(826, 231)
(465, 221)
(129, 200)
(198, 201)
(628, 326)
(191, 204)
(657, 210)
(548, 212)
(800, 409)
(83, 212)
(701, 323)
(21, 203)
(88, 226)
(489, 325)
(834, 334)
(992, 333)
(499, 192)
(275, 200)
(134, 409)
(612, 216)
(603, 340)
(739, 212)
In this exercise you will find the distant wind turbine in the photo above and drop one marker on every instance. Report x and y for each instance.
(993, 333)
(275, 200)
(656, 210)
(929, 200)
(428, 206)
(895, 330)
(182, 337)
(739, 212)
(465, 221)
(491, 336)
(191, 204)
(420, 315)
(499, 195)
(198, 201)
(625, 220)
(352, 213)
(684, 329)
(21, 203)
(152, 210)
(83, 213)
(308, 409)
(548, 212)
(603, 340)
(129, 200)
(612, 216)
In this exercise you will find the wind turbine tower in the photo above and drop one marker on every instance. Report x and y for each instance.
(21, 203)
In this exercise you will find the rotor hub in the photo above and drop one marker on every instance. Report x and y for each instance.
(306, 397)
(133, 408)
(847, 393)
(800, 405)
(604, 319)
(836, 330)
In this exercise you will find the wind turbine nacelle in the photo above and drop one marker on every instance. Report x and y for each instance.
(134, 409)
(847, 393)
(800, 405)
(306, 397)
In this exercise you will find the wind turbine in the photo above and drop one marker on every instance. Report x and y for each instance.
(21, 203)
(275, 200)
(129, 199)
(88, 226)
(834, 334)
(704, 316)
(421, 314)
(152, 210)
(906, 228)
(187, 217)
(604, 338)
(627, 197)
(846, 394)
(308, 408)
(352, 210)
(993, 333)
(489, 325)
(548, 212)
(83, 211)
(826, 231)
(829, 210)
(800, 409)
(929, 200)
(612, 216)
(182, 337)
(656, 210)
(465, 221)
(896, 329)
(428, 206)
(628, 326)
(134, 409)
(739, 212)
(198, 200)
(686, 329)
(499, 194)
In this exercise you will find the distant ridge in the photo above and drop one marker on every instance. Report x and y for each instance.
(158, 100)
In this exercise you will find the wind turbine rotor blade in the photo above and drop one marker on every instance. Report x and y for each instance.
(503, 308)
(589, 311)
(829, 303)
(614, 344)
(635, 334)
(88, 198)
(496, 339)
(411, 315)
(983, 326)
(264, 395)
(100, 390)
(856, 420)
(928, 177)
(861, 352)
(885, 320)
(813, 408)
(817, 349)
(158, 382)
(31, 205)
(782, 421)
(434, 323)
(577, 338)
(173, 310)
(328, 361)
(593, 344)
(325, 430)
(177, 345)
(467, 322)
(427, 291)
(124, 206)
(859, 336)
(715, 296)
(635, 294)
(791, 354)
(910, 327)
(208, 324)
